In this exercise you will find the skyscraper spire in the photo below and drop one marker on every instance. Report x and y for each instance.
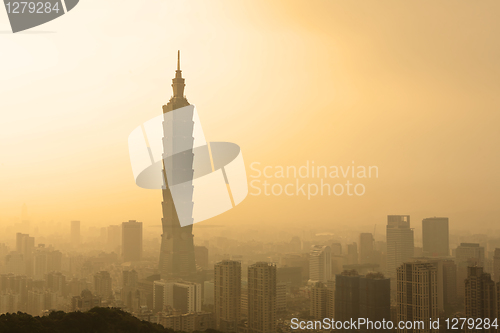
(178, 82)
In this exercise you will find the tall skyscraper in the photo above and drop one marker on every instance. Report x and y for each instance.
(320, 264)
(417, 294)
(400, 244)
(467, 254)
(227, 289)
(132, 240)
(480, 297)
(75, 232)
(262, 298)
(435, 237)
(366, 248)
(177, 247)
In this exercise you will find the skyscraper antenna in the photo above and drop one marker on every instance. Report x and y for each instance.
(179, 60)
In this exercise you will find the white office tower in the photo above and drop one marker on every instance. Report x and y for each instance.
(400, 244)
(320, 264)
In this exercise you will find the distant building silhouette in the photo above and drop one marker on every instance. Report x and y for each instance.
(114, 237)
(201, 256)
(227, 298)
(132, 240)
(25, 245)
(366, 248)
(400, 243)
(262, 298)
(75, 233)
(85, 301)
(435, 237)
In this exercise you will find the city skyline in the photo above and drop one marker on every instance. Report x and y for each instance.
(357, 108)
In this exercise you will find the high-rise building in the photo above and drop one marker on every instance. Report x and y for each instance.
(75, 232)
(227, 290)
(347, 295)
(209, 292)
(187, 297)
(320, 264)
(366, 248)
(281, 291)
(467, 254)
(103, 284)
(56, 282)
(447, 274)
(480, 298)
(322, 299)
(262, 298)
(177, 247)
(40, 261)
(417, 295)
(130, 294)
(132, 240)
(181, 296)
(400, 244)
(435, 237)
(374, 300)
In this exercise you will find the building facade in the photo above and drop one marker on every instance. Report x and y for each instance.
(400, 243)
(262, 298)
(227, 295)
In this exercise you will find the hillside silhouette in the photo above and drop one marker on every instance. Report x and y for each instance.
(96, 320)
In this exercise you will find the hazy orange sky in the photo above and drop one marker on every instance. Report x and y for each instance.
(408, 86)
